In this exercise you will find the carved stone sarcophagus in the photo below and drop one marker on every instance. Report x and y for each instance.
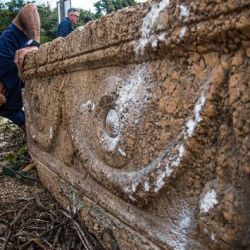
(140, 123)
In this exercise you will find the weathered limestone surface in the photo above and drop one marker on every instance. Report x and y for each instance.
(140, 122)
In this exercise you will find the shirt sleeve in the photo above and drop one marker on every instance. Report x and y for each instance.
(11, 40)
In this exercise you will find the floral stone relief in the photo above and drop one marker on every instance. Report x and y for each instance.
(139, 122)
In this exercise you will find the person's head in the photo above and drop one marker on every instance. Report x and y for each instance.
(73, 15)
(87, 19)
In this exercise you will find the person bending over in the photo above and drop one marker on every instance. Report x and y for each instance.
(21, 37)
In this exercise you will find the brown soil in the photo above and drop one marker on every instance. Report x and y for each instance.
(29, 217)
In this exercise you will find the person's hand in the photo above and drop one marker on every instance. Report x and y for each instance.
(20, 56)
(2, 93)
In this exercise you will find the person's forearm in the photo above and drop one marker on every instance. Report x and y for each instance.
(28, 21)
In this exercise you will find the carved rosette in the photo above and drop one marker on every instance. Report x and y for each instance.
(43, 110)
(113, 126)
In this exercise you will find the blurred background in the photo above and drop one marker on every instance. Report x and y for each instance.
(53, 11)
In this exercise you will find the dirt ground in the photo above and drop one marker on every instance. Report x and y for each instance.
(29, 217)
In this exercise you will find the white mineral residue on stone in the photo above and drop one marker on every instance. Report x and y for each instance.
(113, 118)
(129, 94)
(176, 245)
(87, 106)
(180, 246)
(192, 123)
(149, 22)
(180, 243)
(190, 127)
(130, 98)
(169, 168)
(184, 11)
(121, 152)
(108, 142)
(134, 186)
(177, 161)
(113, 121)
(146, 186)
(161, 174)
(209, 201)
(185, 222)
(182, 228)
(181, 150)
(162, 36)
(198, 108)
(50, 133)
(129, 191)
(182, 32)
(154, 43)
(160, 179)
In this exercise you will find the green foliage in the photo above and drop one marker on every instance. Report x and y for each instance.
(84, 13)
(18, 159)
(15, 5)
(48, 22)
(48, 16)
(23, 150)
(11, 159)
(8, 11)
(108, 6)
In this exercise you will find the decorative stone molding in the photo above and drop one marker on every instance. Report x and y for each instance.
(143, 116)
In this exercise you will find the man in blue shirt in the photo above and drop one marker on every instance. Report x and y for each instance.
(20, 38)
(67, 25)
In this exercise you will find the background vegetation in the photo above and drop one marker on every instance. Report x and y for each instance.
(48, 15)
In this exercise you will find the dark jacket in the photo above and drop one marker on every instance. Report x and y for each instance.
(11, 40)
(64, 28)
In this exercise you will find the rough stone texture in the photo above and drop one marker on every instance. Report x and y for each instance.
(140, 122)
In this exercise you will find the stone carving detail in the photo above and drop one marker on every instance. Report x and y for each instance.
(144, 116)
(43, 109)
(114, 119)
